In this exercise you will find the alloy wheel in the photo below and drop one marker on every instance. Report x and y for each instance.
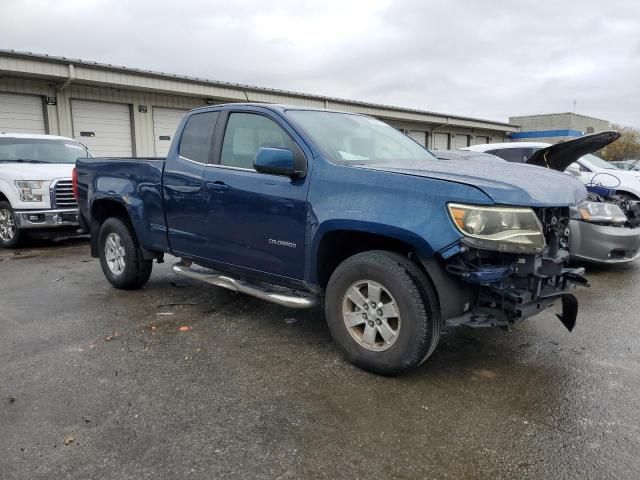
(371, 315)
(114, 254)
(7, 225)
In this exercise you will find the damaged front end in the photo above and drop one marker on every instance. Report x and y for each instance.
(605, 228)
(523, 272)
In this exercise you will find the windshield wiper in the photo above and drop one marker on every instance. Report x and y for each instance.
(23, 160)
(630, 167)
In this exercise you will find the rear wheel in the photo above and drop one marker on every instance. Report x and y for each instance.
(382, 312)
(121, 257)
(9, 233)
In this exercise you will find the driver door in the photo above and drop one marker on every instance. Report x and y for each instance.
(254, 220)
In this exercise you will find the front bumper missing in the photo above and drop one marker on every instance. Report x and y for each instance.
(506, 297)
(31, 219)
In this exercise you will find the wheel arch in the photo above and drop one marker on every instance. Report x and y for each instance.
(334, 245)
(337, 244)
(635, 195)
(104, 208)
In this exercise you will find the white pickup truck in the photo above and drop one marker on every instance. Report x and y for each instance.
(36, 196)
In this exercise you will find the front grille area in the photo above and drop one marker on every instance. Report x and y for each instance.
(62, 195)
(555, 223)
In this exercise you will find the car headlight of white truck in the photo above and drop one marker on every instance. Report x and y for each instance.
(600, 212)
(31, 190)
(516, 230)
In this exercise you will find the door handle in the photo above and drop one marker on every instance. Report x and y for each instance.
(218, 186)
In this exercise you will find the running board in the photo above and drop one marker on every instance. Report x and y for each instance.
(281, 296)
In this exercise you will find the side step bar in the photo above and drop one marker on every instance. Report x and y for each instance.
(281, 296)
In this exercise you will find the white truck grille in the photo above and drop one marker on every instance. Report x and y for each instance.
(62, 195)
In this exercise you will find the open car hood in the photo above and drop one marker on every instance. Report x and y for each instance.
(560, 156)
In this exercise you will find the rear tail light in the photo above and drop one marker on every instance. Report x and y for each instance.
(74, 183)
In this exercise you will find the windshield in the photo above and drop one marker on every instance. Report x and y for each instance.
(358, 140)
(41, 150)
(598, 162)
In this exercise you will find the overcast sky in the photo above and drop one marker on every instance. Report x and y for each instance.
(488, 59)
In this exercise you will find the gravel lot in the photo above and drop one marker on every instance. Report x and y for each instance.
(99, 383)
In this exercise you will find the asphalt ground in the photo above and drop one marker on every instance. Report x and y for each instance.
(185, 380)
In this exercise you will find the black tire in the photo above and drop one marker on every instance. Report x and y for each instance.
(419, 325)
(16, 237)
(136, 270)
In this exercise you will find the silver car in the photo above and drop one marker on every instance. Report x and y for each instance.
(606, 227)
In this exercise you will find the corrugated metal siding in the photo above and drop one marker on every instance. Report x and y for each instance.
(165, 122)
(108, 124)
(104, 75)
(45, 76)
(33, 66)
(21, 114)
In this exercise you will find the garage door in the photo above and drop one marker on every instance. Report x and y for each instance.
(165, 122)
(103, 127)
(21, 114)
(440, 141)
(418, 136)
(481, 140)
(461, 141)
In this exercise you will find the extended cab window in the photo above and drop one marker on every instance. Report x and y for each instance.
(516, 155)
(195, 143)
(248, 132)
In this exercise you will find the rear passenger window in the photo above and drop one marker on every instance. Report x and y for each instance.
(516, 155)
(195, 143)
(246, 133)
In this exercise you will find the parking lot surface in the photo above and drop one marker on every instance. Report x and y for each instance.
(185, 380)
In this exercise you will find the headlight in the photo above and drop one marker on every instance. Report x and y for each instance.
(505, 229)
(30, 190)
(601, 212)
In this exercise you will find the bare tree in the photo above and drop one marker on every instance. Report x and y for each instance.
(627, 147)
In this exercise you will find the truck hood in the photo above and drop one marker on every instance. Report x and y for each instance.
(561, 155)
(505, 183)
(35, 171)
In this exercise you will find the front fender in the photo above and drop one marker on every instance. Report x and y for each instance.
(419, 244)
(10, 192)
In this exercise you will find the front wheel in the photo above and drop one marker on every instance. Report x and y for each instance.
(121, 257)
(9, 233)
(382, 312)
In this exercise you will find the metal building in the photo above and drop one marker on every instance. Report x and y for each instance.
(129, 112)
(555, 127)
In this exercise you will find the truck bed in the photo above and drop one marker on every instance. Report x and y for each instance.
(137, 181)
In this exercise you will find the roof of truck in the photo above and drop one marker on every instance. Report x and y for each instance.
(275, 106)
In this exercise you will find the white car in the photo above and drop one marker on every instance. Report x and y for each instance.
(589, 168)
(36, 194)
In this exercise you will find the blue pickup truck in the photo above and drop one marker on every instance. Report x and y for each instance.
(306, 207)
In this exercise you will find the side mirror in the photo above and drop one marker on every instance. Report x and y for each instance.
(573, 171)
(275, 161)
